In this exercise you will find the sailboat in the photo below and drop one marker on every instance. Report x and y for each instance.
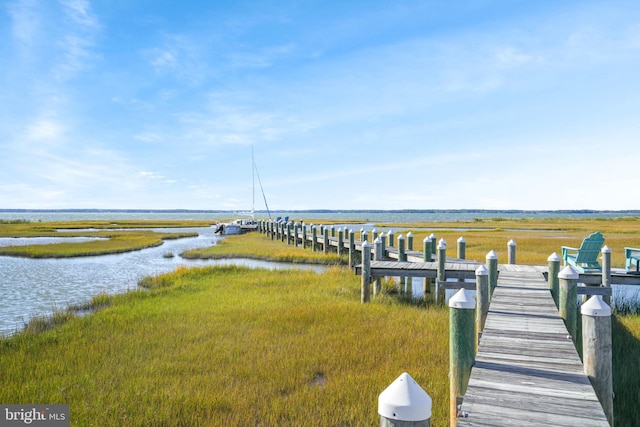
(243, 225)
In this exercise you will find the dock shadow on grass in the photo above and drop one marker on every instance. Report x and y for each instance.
(626, 374)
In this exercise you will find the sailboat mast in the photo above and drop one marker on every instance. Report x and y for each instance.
(253, 184)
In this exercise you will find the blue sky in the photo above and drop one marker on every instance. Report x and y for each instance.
(372, 104)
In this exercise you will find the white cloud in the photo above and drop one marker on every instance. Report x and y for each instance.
(45, 130)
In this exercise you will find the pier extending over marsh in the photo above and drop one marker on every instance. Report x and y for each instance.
(527, 368)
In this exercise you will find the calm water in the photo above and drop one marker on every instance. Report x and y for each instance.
(30, 287)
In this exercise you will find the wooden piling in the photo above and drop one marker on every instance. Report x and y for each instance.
(377, 255)
(304, 236)
(391, 238)
(426, 257)
(340, 241)
(434, 243)
(511, 247)
(597, 351)
(402, 256)
(383, 237)
(462, 247)
(314, 237)
(461, 348)
(404, 404)
(365, 294)
(441, 279)
(352, 248)
(491, 261)
(554, 268)
(410, 241)
(325, 240)
(482, 299)
(606, 270)
(568, 299)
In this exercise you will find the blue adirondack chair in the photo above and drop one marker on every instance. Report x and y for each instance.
(633, 259)
(585, 258)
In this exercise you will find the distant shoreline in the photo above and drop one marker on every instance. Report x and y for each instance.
(508, 211)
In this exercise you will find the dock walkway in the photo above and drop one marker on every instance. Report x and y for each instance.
(527, 371)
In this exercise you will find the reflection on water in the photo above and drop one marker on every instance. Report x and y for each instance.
(32, 287)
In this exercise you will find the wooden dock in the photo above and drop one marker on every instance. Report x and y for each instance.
(527, 371)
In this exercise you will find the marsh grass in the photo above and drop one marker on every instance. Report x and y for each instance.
(535, 240)
(256, 245)
(235, 346)
(231, 346)
(626, 368)
(111, 242)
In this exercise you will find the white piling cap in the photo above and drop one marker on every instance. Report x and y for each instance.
(404, 400)
(461, 240)
(568, 273)
(605, 249)
(511, 242)
(482, 271)
(381, 234)
(432, 236)
(492, 255)
(596, 307)
(462, 299)
(366, 244)
(378, 240)
(409, 234)
(426, 239)
(554, 257)
(401, 237)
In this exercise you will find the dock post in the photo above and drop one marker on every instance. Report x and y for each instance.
(597, 351)
(409, 241)
(314, 237)
(511, 246)
(377, 255)
(333, 231)
(383, 237)
(568, 299)
(442, 258)
(462, 246)
(391, 235)
(374, 234)
(606, 270)
(402, 257)
(461, 348)
(482, 299)
(434, 244)
(426, 257)
(365, 236)
(491, 261)
(325, 240)
(304, 235)
(404, 404)
(365, 292)
(352, 247)
(554, 268)
(340, 241)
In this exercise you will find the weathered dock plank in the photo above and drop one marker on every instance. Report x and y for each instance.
(527, 370)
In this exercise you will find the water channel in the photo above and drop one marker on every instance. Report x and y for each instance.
(35, 287)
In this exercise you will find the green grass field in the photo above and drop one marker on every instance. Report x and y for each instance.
(234, 346)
